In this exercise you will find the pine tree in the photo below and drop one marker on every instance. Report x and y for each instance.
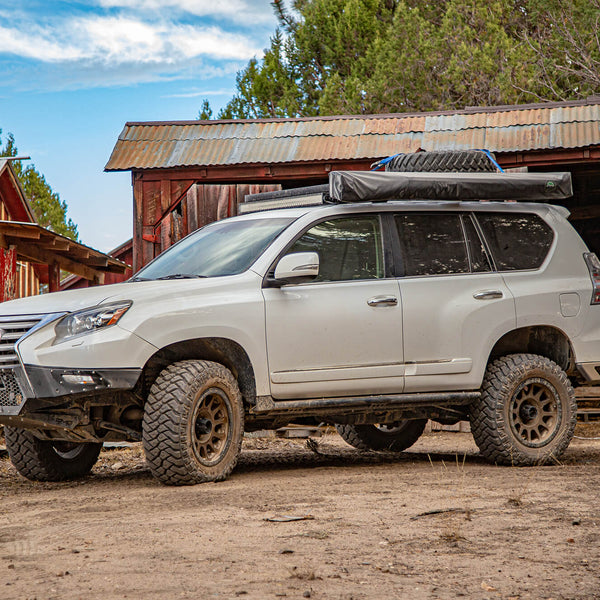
(47, 206)
(372, 56)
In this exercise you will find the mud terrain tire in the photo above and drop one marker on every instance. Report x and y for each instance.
(41, 460)
(381, 437)
(458, 161)
(193, 423)
(527, 411)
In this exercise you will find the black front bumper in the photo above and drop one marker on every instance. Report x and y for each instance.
(31, 388)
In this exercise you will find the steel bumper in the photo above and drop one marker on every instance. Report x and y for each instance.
(23, 389)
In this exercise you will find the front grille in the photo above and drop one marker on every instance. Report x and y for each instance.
(10, 392)
(12, 330)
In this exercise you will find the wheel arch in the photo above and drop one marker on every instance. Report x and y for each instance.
(544, 340)
(221, 350)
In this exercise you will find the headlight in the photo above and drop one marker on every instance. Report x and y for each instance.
(89, 320)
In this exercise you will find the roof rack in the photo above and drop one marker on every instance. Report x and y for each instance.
(371, 186)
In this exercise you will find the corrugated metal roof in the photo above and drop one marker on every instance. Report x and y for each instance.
(162, 145)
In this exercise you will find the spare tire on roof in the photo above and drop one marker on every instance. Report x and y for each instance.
(451, 161)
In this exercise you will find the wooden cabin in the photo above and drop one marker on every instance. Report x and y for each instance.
(14, 207)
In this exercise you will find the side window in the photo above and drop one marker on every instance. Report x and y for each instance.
(348, 248)
(517, 241)
(432, 243)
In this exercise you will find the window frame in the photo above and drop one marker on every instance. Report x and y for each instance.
(489, 248)
(399, 259)
(387, 252)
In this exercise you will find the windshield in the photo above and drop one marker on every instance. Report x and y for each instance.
(227, 247)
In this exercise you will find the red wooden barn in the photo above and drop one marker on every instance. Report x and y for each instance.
(188, 173)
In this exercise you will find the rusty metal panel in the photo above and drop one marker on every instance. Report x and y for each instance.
(379, 146)
(394, 125)
(208, 143)
(573, 135)
(450, 140)
(513, 139)
(446, 122)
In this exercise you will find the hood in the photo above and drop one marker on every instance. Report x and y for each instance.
(138, 291)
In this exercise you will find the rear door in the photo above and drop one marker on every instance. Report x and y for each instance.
(342, 333)
(455, 306)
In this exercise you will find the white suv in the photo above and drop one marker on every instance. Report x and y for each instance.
(375, 316)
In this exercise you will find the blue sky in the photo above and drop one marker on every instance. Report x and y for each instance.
(73, 72)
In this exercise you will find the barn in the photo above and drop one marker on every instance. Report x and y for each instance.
(188, 173)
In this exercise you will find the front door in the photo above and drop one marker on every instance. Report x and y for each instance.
(340, 334)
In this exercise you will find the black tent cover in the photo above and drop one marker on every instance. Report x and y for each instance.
(367, 186)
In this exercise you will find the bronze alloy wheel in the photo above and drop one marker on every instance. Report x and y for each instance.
(535, 412)
(210, 431)
(527, 412)
(193, 423)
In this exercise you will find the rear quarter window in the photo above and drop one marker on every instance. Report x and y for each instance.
(517, 241)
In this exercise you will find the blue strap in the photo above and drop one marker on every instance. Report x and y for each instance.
(492, 159)
(384, 161)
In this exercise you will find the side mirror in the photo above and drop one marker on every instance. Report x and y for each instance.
(298, 267)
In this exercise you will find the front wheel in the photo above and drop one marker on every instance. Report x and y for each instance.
(394, 437)
(527, 412)
(43, 460)
(193, 423)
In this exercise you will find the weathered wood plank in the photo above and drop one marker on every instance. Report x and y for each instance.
(191, 203)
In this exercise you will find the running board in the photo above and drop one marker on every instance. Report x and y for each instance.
(265, 405)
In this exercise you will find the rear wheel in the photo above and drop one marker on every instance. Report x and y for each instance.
(527, 411)
(42, 460)
(394, 437)
(193, 423)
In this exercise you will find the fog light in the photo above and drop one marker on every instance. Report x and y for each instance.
(78, 379)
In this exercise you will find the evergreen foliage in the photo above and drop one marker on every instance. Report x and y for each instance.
(371, 56)
(47, 207)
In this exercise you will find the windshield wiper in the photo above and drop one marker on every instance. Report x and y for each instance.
(181, 276)
(138, 279)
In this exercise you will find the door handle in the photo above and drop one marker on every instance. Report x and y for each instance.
(488, 295)
(383, 301)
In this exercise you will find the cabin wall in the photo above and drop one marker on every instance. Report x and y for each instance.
(26, 282)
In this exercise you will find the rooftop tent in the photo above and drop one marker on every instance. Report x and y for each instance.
(366, 186)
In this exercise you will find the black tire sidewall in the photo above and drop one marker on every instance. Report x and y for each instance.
(38, 459)
(370, 437)
(167, 433)
(491, 421)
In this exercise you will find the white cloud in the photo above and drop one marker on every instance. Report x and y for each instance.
(202, 93)
(190, 42)
(236, 10)
(121, 40)
(36, 44)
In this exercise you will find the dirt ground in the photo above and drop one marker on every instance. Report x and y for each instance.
(433, 522)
